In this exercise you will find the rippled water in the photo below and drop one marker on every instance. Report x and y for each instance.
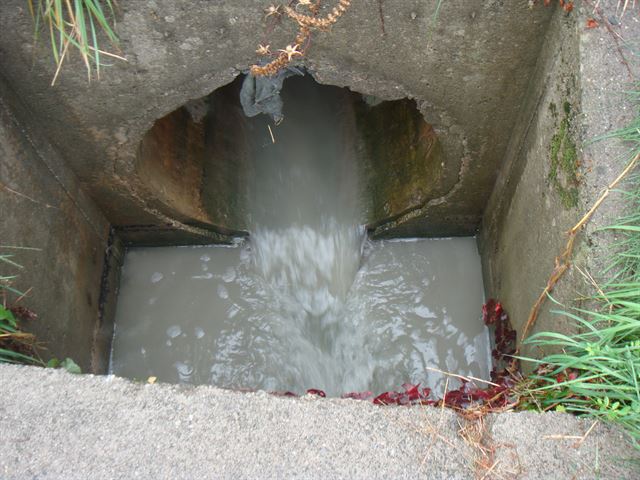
(222, 316)
(307, 302)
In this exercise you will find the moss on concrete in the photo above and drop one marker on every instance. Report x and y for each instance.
(405, 157)
(563, 171)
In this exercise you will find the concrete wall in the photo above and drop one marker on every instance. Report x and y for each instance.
(543, 188)
(43, 207)
(467, 72)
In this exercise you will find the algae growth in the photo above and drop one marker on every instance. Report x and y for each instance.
(563, 173)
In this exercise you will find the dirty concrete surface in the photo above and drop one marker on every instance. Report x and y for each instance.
(55, 233)
(467, 72)
(56, 425)
(579, 80)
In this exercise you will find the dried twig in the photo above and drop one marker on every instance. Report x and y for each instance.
(319, 23)
(490, 469)
(25, 294)
(462, 377)
(580, 438)
(584, 437)
(306, 24)
(284, 57)
(562, 437)
(585, 273)
(19, 194)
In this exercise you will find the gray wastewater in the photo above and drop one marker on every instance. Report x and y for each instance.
(307, 301)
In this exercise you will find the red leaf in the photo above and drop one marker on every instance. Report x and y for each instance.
(386, 398)
(479, 394)
(358, 395)
(313, 391)
(592, 23)
(284, 394)
(412, 391)
(456, 398)
(493, 315)
(492, 311)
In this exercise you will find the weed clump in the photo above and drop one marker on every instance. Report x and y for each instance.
(16, 346)
(77, 26)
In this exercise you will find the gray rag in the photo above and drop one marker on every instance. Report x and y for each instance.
(262, 94)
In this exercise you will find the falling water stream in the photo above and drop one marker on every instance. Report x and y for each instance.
(308, 301)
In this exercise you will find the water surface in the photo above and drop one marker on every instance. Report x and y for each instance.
(217, 315)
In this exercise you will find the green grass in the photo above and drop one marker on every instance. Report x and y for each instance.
(597, 372)
(76, 25)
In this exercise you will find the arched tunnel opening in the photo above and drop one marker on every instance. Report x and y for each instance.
(199, 160)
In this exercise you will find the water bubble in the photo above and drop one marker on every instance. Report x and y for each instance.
(174, 331)
(206, 276)
(229, 275)
(205, 258)
(223, 292)
(423, 312)
(185, 371)
(156, 277)
(199, 332)
(233, 310)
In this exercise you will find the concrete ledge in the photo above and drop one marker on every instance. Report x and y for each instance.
(56, 425)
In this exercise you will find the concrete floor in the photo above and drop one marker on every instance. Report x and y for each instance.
(56, 425)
